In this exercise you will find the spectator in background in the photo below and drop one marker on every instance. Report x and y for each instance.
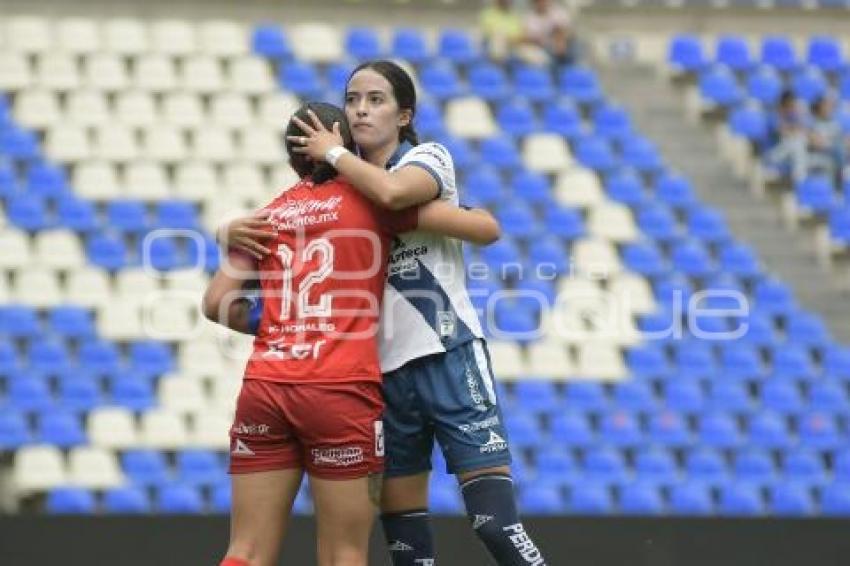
(501, 29)
(786, 151)
(825, 141)
(548, 26)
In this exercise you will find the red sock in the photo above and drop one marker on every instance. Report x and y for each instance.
(234, 562)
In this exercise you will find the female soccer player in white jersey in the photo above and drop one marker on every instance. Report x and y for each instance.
(437, 377)
(311, 397)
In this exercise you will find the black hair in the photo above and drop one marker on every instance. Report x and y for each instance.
(786, 96)
(320, 171)
(403, 90)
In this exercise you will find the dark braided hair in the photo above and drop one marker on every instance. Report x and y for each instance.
(320, 171)
(403, 90)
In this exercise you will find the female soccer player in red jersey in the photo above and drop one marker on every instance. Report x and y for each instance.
(311, 397)
(437, 376)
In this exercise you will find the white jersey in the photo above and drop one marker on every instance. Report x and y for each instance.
(426, 306)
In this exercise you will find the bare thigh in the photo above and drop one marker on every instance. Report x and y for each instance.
(344, 514)
(260, 514)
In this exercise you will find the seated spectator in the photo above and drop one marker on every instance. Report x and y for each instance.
(825, 140)
(548, 26)
(786, 153)
(501, 29)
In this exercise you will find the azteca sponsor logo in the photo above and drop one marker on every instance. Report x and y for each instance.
(494, 444)
(479, 425)
(250, 429)
(340, 457)
(524, 545)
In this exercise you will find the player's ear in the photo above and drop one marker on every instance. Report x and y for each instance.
(404, 117)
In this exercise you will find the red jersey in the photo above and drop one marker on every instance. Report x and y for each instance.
(323, 284)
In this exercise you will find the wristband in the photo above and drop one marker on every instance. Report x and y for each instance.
(334, 153)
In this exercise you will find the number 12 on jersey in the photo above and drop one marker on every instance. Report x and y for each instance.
(323, 248)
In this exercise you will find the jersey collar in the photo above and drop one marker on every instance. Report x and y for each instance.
(399, 152)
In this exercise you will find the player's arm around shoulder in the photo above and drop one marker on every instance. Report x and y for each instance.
(472, 225)
(223, 301)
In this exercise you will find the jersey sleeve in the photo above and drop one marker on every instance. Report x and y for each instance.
(437, 161)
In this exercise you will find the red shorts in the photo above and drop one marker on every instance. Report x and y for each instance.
(334, 431)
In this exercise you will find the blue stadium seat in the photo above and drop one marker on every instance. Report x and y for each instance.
(456, 46)
(751, 122)
(768, 430)
(126, 500)
(29, 212)
(429, 123)
(733, 51)
(659, 323)
(17, 143)
(633, 395)
(301, 78)
(684, 396)
(791, 500)
(595, 153)
(533, 187)
(161, 253)
(199, 467)
(642, 155)
(612, 121)
(108, 251)
(824, 52)
(625, 187)
(409, 44)
(836, 361)
(641, 499)
(692, 499)
(647, 360)
(480, 290)
(839, 225)
(127, 215)
(792, 360)
(695, 357)
(692, 258)
(669, 429)
(719, 86)
(29, 393)
(518, 324)
(563, 118)
(754, 467)
(47, 179)
(523, 429)
(444, 499)
(841, 466)
(581, 84)
(179, 499)
(729, 396)
(484, 184)
(740, 500)
(708, 224)
(835, 500)
(538, 396)
(564, 222)
(760, 330)
(363, 43)
(572, 430)
(591, 499)
(537, 294)
(80, 394)
(489, 81)
(807, 328)
(675, 190)
(462, 154)
(773, 296)
(765, 85)
(739, 259)
(48, 357)
(809, 84)
(533, 83)
(686, 54)
(176, 215)
(500, 252)
(14, 431)
(828, 397)
(820, 432)
(816, 194)
(620, 429)
(777, 51)
(741, 361)
(76, 214)
(674, 288)
(440, 80)
(643, 257)
(221, 498)
(146, 467)
(133, 392)
(557, 464)
(205, 255)
(656, 465)
(19, 321)
(71, 322)
(70, 500)
(658, 222)
(500, 151)
(9, 360)
(719, 430)
(585, 396)
(605, 465)
(781, 396)
(99, 356)
(705, 465)
(269, 40)
(516, 118)
(804, 466)
(518, 219)
(337, 74)
(61, 428)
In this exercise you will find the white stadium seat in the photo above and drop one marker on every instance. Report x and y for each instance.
(164, 143)
(136, 109)
(37, 108)
(94, 468)
(146, 181)
(506, 359)
(200, 357)
(112, 427)
(57, 71)
(29, 34)
(106, 71)
(172, 316)
(211, 431)
(87, 108)
(633, 292)
(225, 391)
(223, 38)
(88, 287)
(117, 143)
(67, 144)
(126, 36)
(17, 252)
(137, 282)
(213, 144)
(546, 153)
(37, 287)
(183, 109)
(220, 208)
(59, 249)
(579, 187)
(181, 395)
(282, 178)
(195, 181)
(5, 293)
(155, 73)
(612, 221)
(231, 110)
(261, 145)
(250, 75)
(470, 117)
(164, 430)
(202, 74)
(549, 359)
(245, 178)
(120, 320)
(600, 361)
(97, 180)
(15, 71)
(596, 258)
(316, 43)
(37, 468)
(173, 37)
(79, 36)
(187, 280)
(275, 109)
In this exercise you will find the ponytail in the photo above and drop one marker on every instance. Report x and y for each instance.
(408, 134)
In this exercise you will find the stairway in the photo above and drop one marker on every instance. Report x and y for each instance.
(657, 110)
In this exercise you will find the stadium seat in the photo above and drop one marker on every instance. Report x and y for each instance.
(533, 83)
(199, 467)
(533, 187)
(94, 468)
(80, 394)
(706, 465)
(38, 467)
(824, 52)
(641, 499)
(163, 430)
(754, 467)
(489, 81)
(740, 500)
(804, 466)
(456, 46)
(809, 84)
(541, 500)
(685, 54)
(591, 499)
(620, 429)
(769, 430)
(572, 430)
(778, 52)
(14, 431)
(692, 499)
(516, 118)
(791, 500)
(179, 499)
(719, 87)
(581, 84)
(269, 40)
(835, 500)
(733, 52)
(112, 427)
(70, 500)
(820, 432)
(781, 396)
(126, 500)
(61, 429)
(409, 44)
(656, 466)
(563, 118)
